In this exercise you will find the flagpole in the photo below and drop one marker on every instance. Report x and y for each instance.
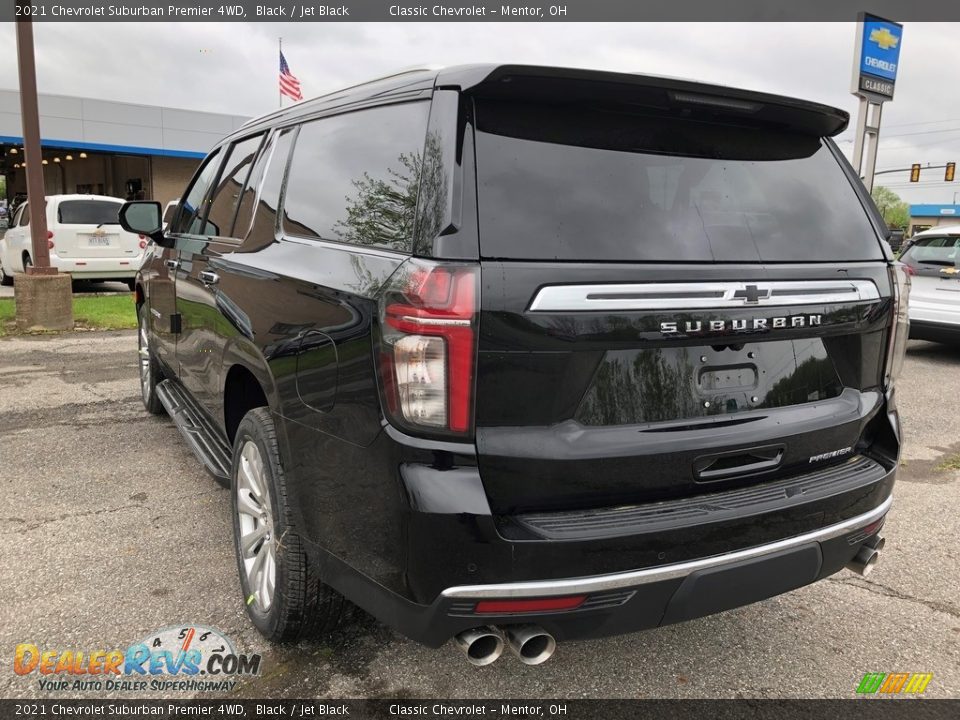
(279, 91)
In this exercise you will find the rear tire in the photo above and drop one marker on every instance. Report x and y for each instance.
(27, 262)
(5, 280)
(132, 284)
(282, 591)
(150, 373)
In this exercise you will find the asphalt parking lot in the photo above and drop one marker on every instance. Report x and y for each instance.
(111, 530)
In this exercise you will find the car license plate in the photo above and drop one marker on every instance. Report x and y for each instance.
(99, 241)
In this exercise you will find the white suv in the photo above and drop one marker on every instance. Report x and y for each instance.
(933, 261)
(84, 237)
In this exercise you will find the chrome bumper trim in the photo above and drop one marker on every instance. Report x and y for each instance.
(600, 583)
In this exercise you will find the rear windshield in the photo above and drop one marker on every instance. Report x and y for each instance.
(562, 183)
(88, 212)
(934, 251)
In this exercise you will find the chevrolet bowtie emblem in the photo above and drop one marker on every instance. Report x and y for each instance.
(884, 38)
(752, 295)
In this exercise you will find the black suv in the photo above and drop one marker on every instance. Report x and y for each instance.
(522, 354)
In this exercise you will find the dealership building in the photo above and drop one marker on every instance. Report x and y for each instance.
(110, 148)
(924, 217)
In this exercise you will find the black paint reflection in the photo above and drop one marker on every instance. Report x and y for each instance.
(660, 384)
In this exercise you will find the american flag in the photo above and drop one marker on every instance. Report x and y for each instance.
(289, 85)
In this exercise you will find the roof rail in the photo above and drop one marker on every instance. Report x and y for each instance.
(398, 73)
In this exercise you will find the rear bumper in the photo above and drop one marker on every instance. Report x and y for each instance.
(80, 268)
(618, 603)
(935, 331)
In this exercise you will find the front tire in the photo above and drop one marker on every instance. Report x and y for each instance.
(150, 373)
(5, 280)
(282, 591)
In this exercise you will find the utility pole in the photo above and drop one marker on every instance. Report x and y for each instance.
(32, 151)
(42, 296)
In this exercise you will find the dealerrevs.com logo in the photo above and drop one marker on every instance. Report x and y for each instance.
(191, 658)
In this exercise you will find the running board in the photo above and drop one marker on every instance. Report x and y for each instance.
(201, 435)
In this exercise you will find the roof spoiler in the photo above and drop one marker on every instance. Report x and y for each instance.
(664, 94)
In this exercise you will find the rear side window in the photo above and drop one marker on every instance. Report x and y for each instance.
(566, 183)
(24, 216)
(88, 212)
(354, 178)
(934, 252)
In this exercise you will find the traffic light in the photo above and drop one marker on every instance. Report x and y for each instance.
(915, 172)
(950, 172)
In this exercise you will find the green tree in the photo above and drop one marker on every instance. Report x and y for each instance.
(896, 213)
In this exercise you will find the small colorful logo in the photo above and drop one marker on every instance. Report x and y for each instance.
(894, 683)
(198, 657)
(884, 38)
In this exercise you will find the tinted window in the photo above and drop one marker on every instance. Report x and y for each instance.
(264, 227)
(191, 209)
(168, 213)
(24, 215)
(582, 184)
(934, 251)
(241, 226)
(88, 212)
(354, 177)
(226, 195)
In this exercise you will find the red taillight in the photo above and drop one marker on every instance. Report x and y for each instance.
(900, 327)
(49, 234)
(528, 606)
(428, 317)
(49, 244)
(143, 243)
(909, 270)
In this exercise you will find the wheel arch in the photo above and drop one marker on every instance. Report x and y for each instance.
(247, 383)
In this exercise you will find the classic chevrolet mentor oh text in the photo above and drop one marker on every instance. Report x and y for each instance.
(517, 355)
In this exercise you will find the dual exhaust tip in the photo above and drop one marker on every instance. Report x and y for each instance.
(484, 645)
(868, 556)
(533, 645)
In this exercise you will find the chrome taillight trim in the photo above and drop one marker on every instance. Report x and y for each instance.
(693, 296)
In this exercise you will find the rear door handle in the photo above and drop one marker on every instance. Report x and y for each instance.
(173, 264)
(737, 463)
(209, 278)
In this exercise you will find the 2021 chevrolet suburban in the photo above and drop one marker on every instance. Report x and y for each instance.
(516, 354)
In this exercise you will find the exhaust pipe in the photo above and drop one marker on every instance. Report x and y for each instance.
(877, 542)
(531, 643)
(481, 645)
(865, 559)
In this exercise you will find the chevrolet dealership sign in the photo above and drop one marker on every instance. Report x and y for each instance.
(875, 66)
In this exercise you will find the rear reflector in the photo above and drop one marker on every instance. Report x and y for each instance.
(529, 606)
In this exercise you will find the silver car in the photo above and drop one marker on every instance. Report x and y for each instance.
(933, 262)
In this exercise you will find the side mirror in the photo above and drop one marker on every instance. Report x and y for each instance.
(144, 218)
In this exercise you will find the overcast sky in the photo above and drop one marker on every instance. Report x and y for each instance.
(232, 68)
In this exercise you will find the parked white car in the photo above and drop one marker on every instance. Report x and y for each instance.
(84, 237)
(933, 262)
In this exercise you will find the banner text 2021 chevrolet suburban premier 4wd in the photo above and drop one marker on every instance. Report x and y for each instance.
(517, 355)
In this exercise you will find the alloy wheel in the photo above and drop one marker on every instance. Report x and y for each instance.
(144, 353)
(258, 544)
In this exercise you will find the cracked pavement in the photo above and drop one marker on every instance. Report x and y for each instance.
(112, 530)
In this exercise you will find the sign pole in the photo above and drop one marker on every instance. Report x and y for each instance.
(40, 252)
(875, 64)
